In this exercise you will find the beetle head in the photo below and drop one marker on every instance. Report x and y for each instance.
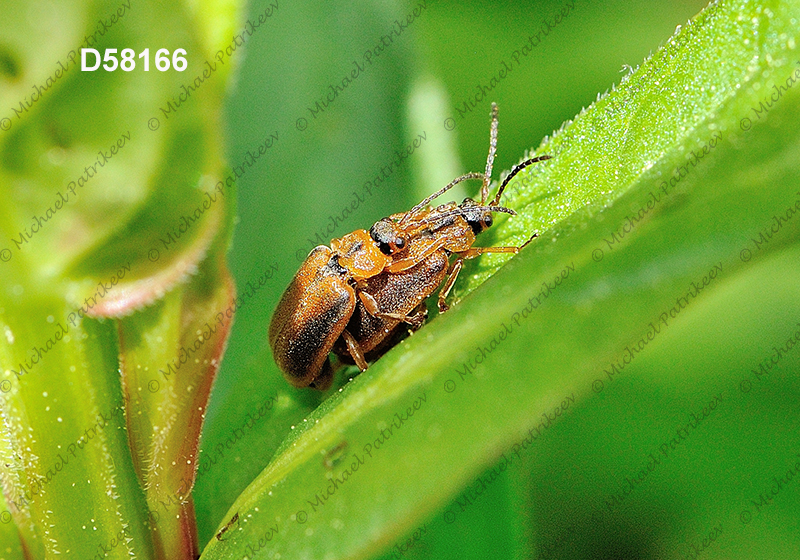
(478, 217)
(388, 236)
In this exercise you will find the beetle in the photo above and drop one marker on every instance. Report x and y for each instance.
(418, 271)
(372, 281)
(314, 309)
(319, 301)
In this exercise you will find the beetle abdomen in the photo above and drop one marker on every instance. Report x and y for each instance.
(310, 316)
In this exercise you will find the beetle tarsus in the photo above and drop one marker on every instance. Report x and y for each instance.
(531, 238)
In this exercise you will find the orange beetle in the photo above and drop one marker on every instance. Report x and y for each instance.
(368, 283)
(317, 305)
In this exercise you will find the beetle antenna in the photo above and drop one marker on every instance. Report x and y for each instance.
(441, 191)
(487, 177)
(514, 171)
(462, 211)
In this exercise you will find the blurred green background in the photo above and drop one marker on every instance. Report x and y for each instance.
(411, 88)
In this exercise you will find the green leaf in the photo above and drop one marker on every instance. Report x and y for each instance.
(169, 356)
(539, 334)
(113, 204)
(65, 444)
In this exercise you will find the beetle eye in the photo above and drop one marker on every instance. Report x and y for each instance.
(399, 242)
(488, 221)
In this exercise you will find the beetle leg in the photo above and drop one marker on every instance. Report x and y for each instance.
(531, 238)
(473, 252)
(355, 350)
(477, 251)
(469, 254)
(371, 305)
(455, 268)
(419, 316)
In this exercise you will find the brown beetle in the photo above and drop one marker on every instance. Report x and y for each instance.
(317, 305)
(314, 310)
(371, 282)
(415, 273)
